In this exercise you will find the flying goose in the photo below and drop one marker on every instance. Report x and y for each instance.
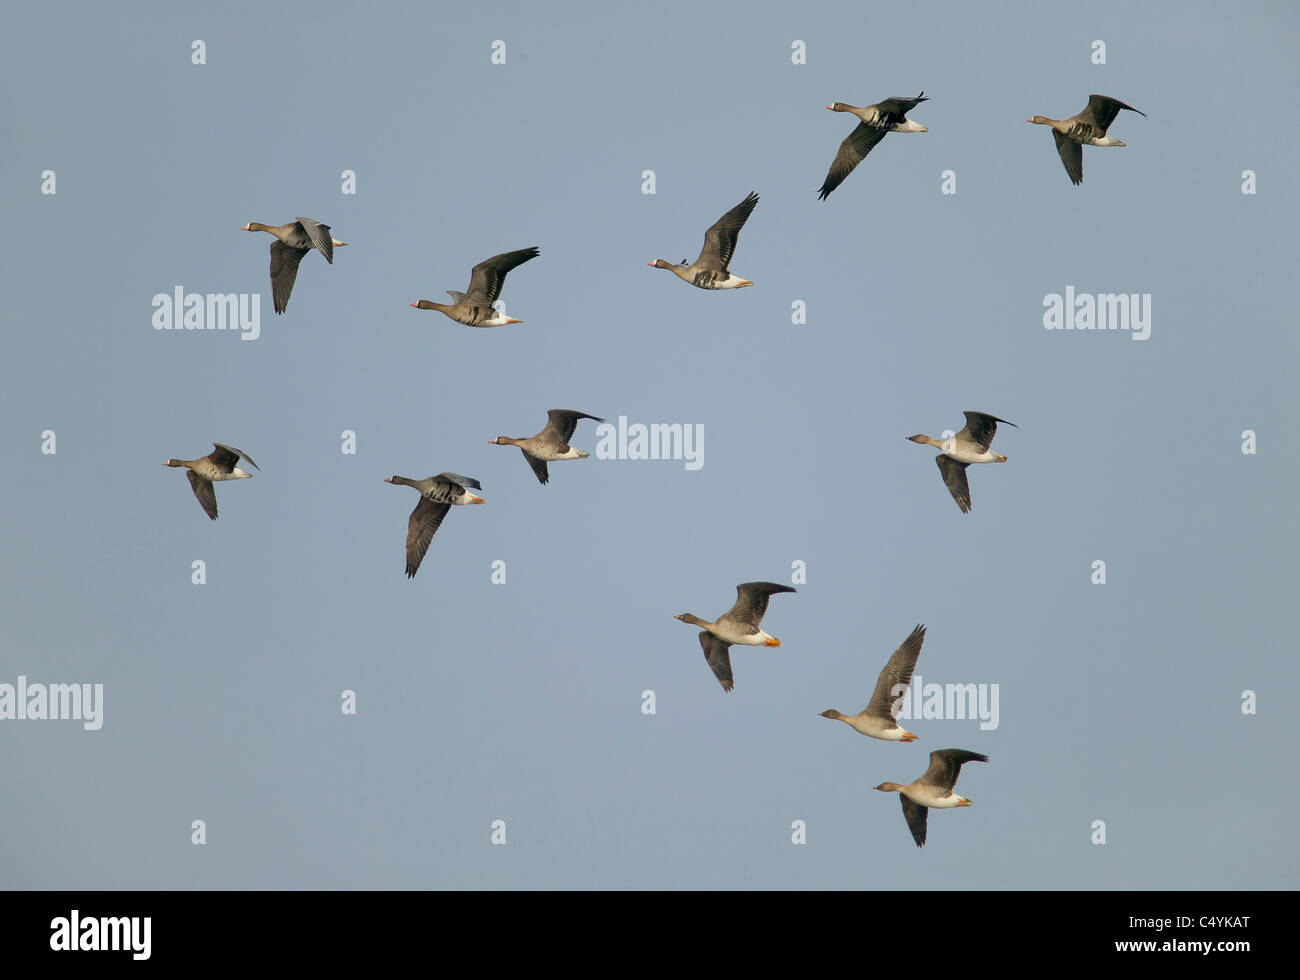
(552, 443)
(877, 718)
(738, 625)
(474, 306)
(1089, 126)
(889, 116)
(437, 494)
(296, 239)
(710, 270)
(217, 465)
(970, 445)
(933, 789)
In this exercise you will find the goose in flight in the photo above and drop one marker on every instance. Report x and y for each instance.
(552, 443)
(970, 445)
(888, 116)
(216, 466)
(437, 495)
(877, 719)
(738, 625)
(933, 790)
(296, 239)
(1089, 126)
(710, 270)
(474, 306)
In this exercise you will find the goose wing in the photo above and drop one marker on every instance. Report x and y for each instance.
(425, 520)
(720, 239)
(203, 490)
(718, 654)
(954, 478)
(489, 276)
(891, 686)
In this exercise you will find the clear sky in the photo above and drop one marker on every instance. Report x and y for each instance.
(522, 701)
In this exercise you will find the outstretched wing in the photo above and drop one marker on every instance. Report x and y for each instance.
(563, 423)
(751, 602)
(718, 654)
(203, 490)
(720, 239)
(227, 456)
(284, 270)
(539, 467)
(916, 816)
(1071, 155)
(981, 428)
(945, 766)
(1102, 110)
(855, 147)
(425, 520)
(320, 237)
(489, 276)
(891, 685)
(954, 478)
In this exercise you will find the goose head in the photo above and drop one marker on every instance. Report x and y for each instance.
(830, 713)
(502, 441)
(889, 788)
(691, 619)
(1041, 120)
(924, 440)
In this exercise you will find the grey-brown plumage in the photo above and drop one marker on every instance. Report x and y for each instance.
(879, 718)
(219, 465)
(552, 443)
(934, 789)
(740, 624)
(1089, 126)
(877, 120)
(712, 269)
(474, 306)
(437, 495)
(294, 240)
(970, 445)
(891, 685)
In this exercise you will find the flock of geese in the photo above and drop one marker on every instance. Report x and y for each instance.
(477, 307)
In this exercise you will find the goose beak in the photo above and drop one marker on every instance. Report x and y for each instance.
(511, 319)
(830, 107)
(247, 227)
(773, 642)
(416, 305)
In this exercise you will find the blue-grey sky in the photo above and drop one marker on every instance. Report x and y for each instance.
(522, 702)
